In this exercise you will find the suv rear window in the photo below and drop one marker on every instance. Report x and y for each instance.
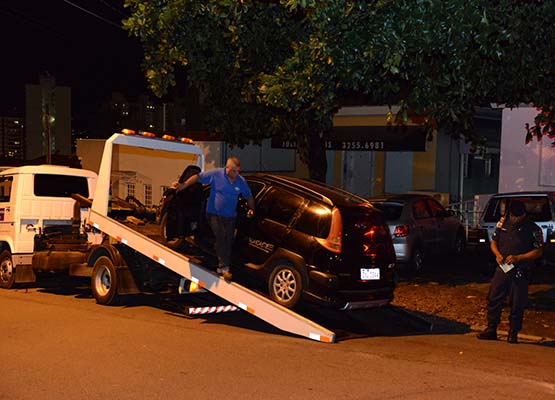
(49, 185)
(537, 207)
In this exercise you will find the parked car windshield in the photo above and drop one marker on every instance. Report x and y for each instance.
(391, 211)
(537, 208)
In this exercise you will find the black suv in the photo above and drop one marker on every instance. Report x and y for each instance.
(313, 241)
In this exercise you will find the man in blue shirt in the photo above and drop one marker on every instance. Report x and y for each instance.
(226, 184)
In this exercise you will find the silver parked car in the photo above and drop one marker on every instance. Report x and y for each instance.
(420, 227)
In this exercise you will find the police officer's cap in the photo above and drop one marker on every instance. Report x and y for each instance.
(517, 208)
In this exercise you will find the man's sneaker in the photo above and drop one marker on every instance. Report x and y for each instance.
(489, 334)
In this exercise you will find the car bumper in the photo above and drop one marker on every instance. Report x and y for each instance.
(325, 289)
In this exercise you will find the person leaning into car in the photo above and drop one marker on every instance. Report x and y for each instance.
(516, 243)
(226, 184)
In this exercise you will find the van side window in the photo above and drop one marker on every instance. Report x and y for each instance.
(315, 220)
(60, 185)
(280, 206)
(5, 188)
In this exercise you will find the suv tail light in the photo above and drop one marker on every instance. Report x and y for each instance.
(334, 240)
(375, 237)
(401, 231)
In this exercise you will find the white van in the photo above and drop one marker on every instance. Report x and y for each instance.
(32, 199)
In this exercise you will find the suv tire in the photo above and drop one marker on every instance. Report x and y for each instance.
(285, 285)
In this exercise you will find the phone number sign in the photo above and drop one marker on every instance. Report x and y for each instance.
(368, 138)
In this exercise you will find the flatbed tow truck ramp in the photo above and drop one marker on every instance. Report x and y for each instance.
(182, 264)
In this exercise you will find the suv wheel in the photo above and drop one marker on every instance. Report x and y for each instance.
(285, 285)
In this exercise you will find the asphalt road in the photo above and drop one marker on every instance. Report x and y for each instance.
(58, 344)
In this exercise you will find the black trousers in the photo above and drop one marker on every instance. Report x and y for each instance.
(503, 285)
(224, 232)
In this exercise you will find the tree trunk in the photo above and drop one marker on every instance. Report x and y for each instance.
(317, 163)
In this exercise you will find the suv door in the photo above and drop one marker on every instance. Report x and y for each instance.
(263, 235)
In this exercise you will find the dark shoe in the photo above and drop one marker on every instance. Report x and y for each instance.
(513, 337)
(490, 333)
(224, 272)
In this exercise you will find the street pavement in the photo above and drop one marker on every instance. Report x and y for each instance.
(57, 343)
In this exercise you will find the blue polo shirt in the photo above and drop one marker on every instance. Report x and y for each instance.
(223, 194)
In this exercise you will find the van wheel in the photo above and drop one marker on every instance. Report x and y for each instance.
(104, 282)
(417, 261)
(7, 270)
(285, 285)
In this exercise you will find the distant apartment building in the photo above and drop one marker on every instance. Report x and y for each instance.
(139, 113)
(47, 119)
(12, 138)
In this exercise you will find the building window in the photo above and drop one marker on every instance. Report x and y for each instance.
(163, 190)
(148, 195)
(487, 167)
(131, 189)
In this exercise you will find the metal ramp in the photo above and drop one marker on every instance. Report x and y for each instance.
(237, 295)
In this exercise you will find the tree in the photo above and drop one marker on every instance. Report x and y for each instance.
(282, 67)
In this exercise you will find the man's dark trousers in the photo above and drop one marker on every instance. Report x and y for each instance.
(504, 284)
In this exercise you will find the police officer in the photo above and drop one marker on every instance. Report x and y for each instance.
(516, 243)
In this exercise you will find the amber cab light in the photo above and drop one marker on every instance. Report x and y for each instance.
(334, 240)
(401, 231)
(185, 140)
(128, 131)
(168, 137)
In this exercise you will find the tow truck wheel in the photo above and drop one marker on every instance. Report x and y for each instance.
(7, 270)
(285, 285)
(104, 282)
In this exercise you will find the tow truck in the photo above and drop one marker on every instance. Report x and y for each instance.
(124, 258)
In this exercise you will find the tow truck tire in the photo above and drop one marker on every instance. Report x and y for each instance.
(104, 282)
(285, 285)
(7, 270)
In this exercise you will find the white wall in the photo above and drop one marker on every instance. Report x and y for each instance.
(523, 166)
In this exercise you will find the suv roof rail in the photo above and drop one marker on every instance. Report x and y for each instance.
(293, 185)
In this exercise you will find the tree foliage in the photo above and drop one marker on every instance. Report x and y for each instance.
(282, 67)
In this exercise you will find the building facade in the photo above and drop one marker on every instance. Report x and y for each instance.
(47, 119)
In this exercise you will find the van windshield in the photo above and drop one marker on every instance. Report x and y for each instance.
(50, 185)
(537, 207)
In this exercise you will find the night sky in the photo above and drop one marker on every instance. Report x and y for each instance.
(88, 53)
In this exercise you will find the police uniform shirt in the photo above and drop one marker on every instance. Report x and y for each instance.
(518, 239)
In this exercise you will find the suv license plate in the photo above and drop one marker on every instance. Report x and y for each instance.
(369, 274)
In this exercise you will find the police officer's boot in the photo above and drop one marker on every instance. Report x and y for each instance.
(490, 333)
(513, 336)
